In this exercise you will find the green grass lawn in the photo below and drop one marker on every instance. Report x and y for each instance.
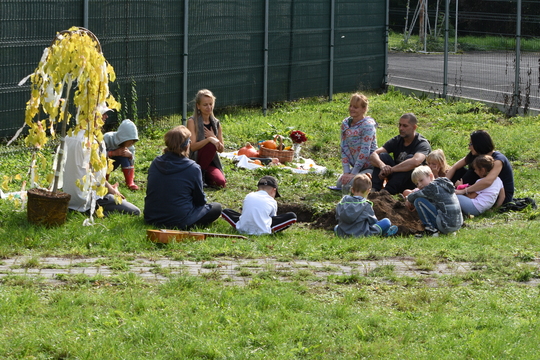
(465, 43)
(489, 312)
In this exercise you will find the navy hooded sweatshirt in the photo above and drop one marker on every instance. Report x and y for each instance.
(174, 193)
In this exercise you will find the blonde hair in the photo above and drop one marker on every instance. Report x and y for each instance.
(361, 183)
(420, 172)
(360, 99)
(438, 157)
(177, 140)
(198, 99)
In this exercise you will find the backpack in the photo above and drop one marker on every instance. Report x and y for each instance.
(518, 205)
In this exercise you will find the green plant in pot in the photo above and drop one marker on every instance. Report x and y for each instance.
(72, 75)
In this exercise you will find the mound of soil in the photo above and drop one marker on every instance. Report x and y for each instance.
(384, 205)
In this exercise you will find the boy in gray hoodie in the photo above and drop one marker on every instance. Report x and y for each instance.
(436, 202)
(355, 213)
(121, 150)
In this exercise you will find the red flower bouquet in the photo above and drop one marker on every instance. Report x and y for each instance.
(298, 137)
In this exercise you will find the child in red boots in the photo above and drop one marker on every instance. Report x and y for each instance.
(121, 150)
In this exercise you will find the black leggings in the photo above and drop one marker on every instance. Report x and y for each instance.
(279, 222)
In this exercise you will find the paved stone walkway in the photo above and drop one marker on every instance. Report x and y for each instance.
(237, 271)
(233, 271)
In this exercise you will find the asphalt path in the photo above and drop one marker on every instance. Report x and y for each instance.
(484, 76)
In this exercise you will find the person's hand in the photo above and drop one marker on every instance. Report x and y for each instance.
(409, 206)
(114, 191)
(209, 133)
(123, 151)
(213, 140)
(127, 153)
(386, 170)
(459, 182)
(346, 178)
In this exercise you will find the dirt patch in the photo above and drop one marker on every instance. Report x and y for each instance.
(303, 213)
(384, 204)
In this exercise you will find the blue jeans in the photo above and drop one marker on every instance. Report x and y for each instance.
(124, 162)
(426, 211)
(467, 206)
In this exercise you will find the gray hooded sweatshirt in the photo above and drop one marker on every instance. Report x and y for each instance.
(356, 217)
(441, 193)
(126, 131)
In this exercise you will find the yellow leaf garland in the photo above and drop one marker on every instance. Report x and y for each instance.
(74, 60)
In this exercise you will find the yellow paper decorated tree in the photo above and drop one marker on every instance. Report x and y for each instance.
(72, 74)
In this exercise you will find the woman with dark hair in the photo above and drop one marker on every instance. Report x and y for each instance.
(207, 139)
(174, 192)
(481, 144)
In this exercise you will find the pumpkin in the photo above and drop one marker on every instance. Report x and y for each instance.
(249, 151)
(269, 144)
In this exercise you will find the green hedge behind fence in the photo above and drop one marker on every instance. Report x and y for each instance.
(144, 42)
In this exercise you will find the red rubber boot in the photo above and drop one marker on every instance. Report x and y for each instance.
(129, 174)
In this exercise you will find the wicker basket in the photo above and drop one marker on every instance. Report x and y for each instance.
(282, 155)
(45, 208)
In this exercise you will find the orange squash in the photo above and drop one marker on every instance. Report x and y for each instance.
(249, 151)
(269, 144)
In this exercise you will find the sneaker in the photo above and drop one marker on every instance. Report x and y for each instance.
(428, 231)
(334, 188)
(431, 231)
(392, 231)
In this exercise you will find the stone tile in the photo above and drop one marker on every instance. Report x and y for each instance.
(227, 269)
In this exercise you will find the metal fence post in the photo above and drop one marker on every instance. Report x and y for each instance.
(455, 28)
(185, 74)
(85, 14)
(265, 71)
(386, 35)
(514, 109)
(332, 35)
(446, 31)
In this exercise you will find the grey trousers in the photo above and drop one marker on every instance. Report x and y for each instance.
(109, 205)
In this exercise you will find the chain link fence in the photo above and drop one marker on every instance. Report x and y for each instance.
(164, 51)
(493, 50)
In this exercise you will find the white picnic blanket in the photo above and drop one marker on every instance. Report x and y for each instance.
(303, 167)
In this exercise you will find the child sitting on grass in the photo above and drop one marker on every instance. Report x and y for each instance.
(475, 203)
(436, 202)
(355, 213)
(437, 162)
(259, 213)
(121, 149)
(438, 165)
